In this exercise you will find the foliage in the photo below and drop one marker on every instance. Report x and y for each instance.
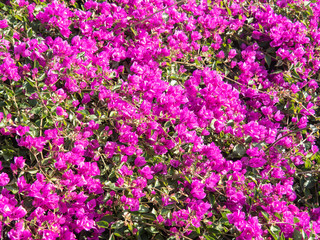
(161, 119)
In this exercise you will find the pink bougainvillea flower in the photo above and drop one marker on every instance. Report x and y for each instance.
(4, 179)
(3, 23)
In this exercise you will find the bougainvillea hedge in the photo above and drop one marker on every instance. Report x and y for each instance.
(159, 119)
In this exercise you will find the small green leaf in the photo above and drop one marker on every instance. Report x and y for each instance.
(250, 20)
(143, 209)
(248, 139)
(113, 113)
(268, 60)
(36, 64)
(238, 151)
(83, 112)
(42, 77)
(79, 55)
(278, 215)
(212, 124)
(265, 215)
(167, 124)
(275, 229)
(276, 72)
(29, 33)
(209, 237)
(189, 181)
(118, 235)
(304, 234)
(307, 163)
(149, 216)
(112, 237)
(260, 27)
(152, 230)
(295, 74)
(230, 123)
(297, 235)
(32, 171)
(212, 199)
(13, 188)
(103, 224)
(229, 11)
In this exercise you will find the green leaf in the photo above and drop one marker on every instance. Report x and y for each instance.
(295, 74)
(250, 20)
(189, 181)
(33, 171)
(79, 55)
(317, 157)
(260, 27)
(152, 230)
(117, 225)
(172, 238)
(304, 234)
(143, 209)
(30, 33)
(118, 86)
(229, 11)
(265, 215)
(276, 72)
(36, 110)
(209, 237)
(274, 234)
(113, 113)
(108, 219)
(83, 112)
(149, 216)
(278, 215)
(275, 229)
(167, 124)
(112, 75)
(238, 151)
(36, 64)
(230, 123)
(212, 124)
(103, 224)
(267, 58)
(13, 188)
(158, 237)
(307, 163)
(297, 235)
(248, 139)
(42, 77)
(92, 117)
(212, 198)
(112, 237)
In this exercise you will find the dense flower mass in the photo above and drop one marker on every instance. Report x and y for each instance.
(162, 119)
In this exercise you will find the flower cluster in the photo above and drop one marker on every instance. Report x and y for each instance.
(159, 119)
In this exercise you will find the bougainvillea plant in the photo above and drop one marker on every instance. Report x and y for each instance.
(159, 119)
